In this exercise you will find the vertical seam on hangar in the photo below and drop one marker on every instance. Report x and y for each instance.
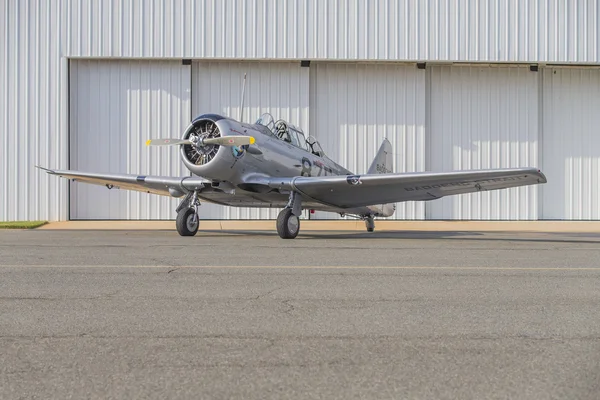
(540, 141)
(68, 112)
(427, 133)
(191, 108)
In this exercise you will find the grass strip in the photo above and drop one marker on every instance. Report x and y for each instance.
(21, 224)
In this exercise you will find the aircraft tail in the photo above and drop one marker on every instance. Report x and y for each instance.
(382, 164)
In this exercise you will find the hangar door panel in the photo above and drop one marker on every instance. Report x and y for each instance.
(115, 106)
(355, 106)
(571, 144)
(279, 88)
(480, 118)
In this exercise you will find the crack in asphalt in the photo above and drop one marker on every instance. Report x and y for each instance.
(260, 296)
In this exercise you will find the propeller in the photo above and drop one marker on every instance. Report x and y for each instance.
(167, 142)
(220, 141)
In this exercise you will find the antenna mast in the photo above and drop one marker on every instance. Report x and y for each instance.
(242, 105)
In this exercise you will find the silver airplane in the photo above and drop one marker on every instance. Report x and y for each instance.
(273, 164)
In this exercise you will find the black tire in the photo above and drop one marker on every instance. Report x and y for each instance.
(288, 225)
(184, 224)
(370, 224)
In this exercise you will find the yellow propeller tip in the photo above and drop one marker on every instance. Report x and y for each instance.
(252, 140)
(148, 142)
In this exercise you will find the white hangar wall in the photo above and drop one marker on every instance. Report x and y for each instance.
(115, 107)
(355, 106)
(407, 30)
(43, 38)
(570, 151)
(484, 117)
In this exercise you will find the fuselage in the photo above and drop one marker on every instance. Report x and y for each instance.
(240, 170)
(280, 158)
(270, 156)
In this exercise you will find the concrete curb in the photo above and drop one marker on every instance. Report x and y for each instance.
(269, 225)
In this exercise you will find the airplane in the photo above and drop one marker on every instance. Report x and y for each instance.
(273, 164)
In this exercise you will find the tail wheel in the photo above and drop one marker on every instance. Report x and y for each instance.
(288, 224)
(370, 224)
(187, 222)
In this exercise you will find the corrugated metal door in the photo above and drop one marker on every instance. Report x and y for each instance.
(571, 144)
(355, 106)
(479, 118)
(115, 106)
(279, 88)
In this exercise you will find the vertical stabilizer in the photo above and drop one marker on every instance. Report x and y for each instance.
(382, 164)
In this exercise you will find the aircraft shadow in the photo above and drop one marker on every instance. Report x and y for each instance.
(499, 236)
(546, 237)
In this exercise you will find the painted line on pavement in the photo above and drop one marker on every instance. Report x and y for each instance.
(391, 267)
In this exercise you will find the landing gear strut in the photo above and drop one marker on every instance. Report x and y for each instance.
(187, 221)
(288, 221)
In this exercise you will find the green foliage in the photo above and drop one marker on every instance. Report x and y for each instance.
(21, 224)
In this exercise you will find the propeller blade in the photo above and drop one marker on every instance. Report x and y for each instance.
(228, 141)
(167, 142)
(220, 141)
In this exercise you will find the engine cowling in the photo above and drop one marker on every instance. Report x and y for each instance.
(208, 161)
(204, 128)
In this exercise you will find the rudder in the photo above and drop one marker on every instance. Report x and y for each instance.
(382, 164)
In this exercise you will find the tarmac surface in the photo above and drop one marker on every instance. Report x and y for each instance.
(237, 314)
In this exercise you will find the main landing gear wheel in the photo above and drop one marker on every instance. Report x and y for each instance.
(187, 222)
(288, 224)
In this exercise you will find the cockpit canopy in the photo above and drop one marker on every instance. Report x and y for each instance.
(291, 134)
(266, 119)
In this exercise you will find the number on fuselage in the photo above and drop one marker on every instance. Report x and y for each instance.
(307, 168)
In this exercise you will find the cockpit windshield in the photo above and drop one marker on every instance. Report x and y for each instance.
(266, 119)
(291, 134)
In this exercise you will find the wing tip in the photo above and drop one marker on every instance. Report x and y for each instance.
(45, 169)
(542, 177)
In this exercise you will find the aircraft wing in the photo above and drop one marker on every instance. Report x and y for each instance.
(162, 185)
(372, 189)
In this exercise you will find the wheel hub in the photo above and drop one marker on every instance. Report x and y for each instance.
(293, 223)
(192, 221)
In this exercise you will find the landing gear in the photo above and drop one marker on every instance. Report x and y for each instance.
(288, 221)
(370, 224)
(187, 221)
(288, 224)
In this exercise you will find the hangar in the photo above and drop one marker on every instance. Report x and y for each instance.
(453, 85)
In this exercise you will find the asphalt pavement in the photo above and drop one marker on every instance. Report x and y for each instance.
(243, 315)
